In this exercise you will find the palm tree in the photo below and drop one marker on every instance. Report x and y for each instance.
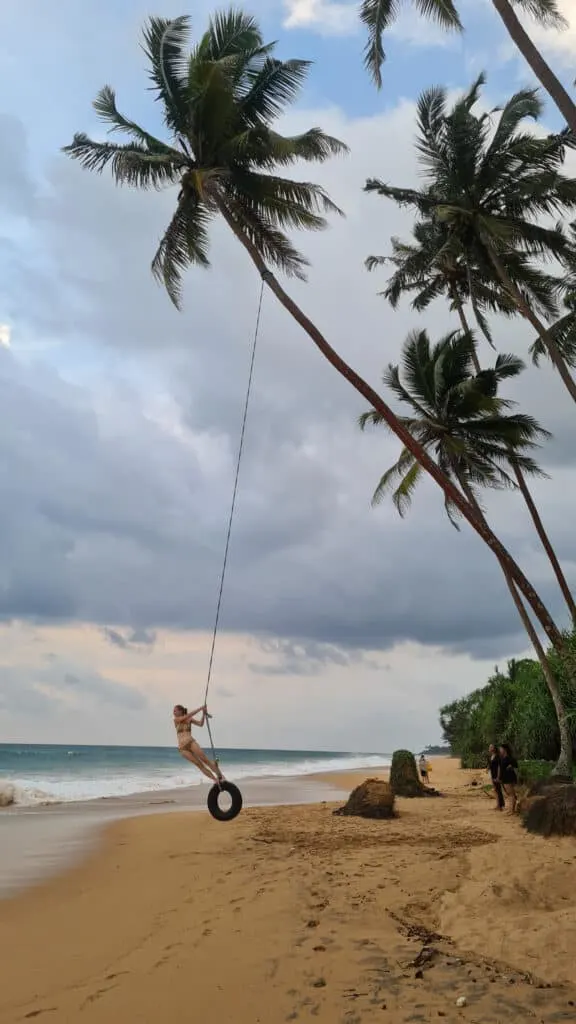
(563, 331)
(488, 189)
(456, 414)
(219, 105)
(379, 15)
(428, 268)
(433, 265)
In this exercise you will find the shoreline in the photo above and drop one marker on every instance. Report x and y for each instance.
(290, 913)
(40, 841)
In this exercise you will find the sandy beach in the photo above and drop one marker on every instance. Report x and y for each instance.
(292, 914)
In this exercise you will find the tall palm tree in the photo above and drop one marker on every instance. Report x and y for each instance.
(489, 188)
(379, 15)
(456, 414)
(428, 268)
(219, 104)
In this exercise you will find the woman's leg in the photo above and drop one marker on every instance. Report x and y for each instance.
(205, 760)
(499, 795)
(206, 770)
(510, 791)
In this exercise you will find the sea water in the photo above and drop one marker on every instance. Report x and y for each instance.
(46, 774)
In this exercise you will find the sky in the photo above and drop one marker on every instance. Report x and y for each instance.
(343, 627)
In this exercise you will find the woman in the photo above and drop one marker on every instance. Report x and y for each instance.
(424, 769)
(187, 745)
(494, 769)
(508, 774)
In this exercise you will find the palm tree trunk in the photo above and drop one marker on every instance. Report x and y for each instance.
(539, 525)
(523, 486)
(377, 402)
(534, 58)
(564, 764)
(528, 313)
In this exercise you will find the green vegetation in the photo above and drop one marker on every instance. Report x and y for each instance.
(404, 777)
(515, 707)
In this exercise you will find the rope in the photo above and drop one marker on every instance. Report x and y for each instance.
(232, 509)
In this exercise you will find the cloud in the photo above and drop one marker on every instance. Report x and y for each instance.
(59, 685)
(136, 639)
(117, 480)
(308, 658)
(323, 15)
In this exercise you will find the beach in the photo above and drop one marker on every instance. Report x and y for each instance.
(292, 914)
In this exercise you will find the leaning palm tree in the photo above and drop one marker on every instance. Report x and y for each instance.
(429, 269)
(379, 15)
(488, 189)
(219, 104)
(456, 414)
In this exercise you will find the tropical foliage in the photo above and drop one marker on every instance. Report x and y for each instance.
(513, 706)
(219, 103)
(379, 15)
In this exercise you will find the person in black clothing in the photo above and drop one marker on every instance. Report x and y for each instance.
(494, 769)
(508, 774)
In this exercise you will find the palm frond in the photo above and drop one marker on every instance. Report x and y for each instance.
(272, 88)
(408, 472)
(132, 164)
(379, 15)
(184, 242)
(231, 32)
(107, 111)
(282, 202)
(165, 45)
(274, 246)
(546, 12)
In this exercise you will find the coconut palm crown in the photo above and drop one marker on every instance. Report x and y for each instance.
(219, 101)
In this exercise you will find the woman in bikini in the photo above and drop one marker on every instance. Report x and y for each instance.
(187, 745)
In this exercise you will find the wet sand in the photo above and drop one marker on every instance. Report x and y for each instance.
(38, 841)
(292, 914)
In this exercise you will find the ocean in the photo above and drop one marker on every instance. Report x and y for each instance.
(47, 774)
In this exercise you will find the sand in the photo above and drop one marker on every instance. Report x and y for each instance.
(292, 914)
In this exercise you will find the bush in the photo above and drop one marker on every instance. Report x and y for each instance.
(474, 761)
(404, 777)
(532, 771)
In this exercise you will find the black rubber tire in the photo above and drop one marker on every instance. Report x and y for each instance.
(214, 807)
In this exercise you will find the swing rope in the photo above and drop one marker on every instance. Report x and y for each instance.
(232, 509)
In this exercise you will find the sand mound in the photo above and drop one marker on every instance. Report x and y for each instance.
(552, 812)
(371, 799)
(529, 794)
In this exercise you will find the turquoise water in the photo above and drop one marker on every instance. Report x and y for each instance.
(52, 774)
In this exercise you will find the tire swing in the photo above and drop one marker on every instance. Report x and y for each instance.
(224, 813)
(219, 788)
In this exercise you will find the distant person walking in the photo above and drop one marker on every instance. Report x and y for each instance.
(425, 769)
(494, 769)
(508, 774)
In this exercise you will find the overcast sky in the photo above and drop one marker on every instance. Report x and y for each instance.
(343, 627)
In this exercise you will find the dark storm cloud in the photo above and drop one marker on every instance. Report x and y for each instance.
(115, 497)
